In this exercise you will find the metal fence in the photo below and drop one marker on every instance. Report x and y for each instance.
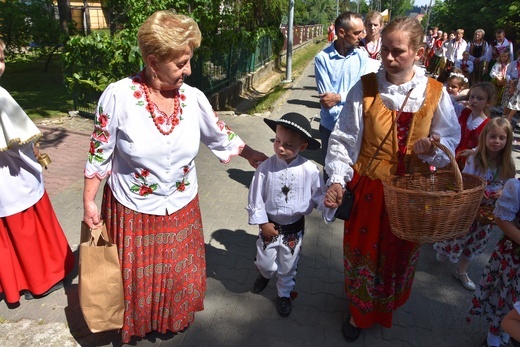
(221, 70)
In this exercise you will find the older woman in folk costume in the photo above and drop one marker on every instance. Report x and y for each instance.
(147, 134)
(379, 267)
(479, 53)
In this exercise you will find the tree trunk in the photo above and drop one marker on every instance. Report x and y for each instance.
(65, 16)
(87, 17)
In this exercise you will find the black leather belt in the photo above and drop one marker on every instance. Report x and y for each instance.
(290, 228)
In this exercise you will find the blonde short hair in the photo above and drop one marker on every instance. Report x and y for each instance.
(374, 15)
(166, 35)
(2, 45)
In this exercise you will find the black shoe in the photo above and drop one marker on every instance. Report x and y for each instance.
(28, 295)
(260, 284)
(350, 332)
(284, 306)
(183, 330)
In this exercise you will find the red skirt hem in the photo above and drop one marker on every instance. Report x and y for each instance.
(34, 251)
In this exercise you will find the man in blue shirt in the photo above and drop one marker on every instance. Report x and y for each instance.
(337, 68)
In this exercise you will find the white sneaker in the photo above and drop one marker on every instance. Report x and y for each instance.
(441, 257)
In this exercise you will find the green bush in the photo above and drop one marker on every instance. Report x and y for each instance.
(92, 62)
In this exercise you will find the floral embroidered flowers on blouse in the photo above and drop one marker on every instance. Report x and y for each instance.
(181, 185)
(143, 187)
(99, 136)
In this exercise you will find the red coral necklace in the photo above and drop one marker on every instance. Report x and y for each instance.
(165, 123)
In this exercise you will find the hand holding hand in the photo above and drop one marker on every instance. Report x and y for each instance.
(253, 156)
(334, 196)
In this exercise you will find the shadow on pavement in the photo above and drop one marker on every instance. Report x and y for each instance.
(241, 176)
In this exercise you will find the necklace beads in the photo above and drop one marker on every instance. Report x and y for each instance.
(163, 122)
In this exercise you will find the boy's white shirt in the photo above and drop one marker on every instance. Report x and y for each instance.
(305, 190)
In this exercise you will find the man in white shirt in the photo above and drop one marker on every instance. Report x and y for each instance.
(458, 46)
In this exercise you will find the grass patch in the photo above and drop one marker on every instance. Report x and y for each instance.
(41, 94)
(300, 59)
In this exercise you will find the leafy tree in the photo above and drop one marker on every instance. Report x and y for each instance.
(65, 15)
(226, 26)
(13, 27)
(31, 25)
(398, 8)
(489, 15)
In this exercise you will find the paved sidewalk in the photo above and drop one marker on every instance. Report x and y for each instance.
(233, 316)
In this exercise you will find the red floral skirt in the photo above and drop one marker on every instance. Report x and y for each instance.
(379, 267)
(163, 264)
(34, 252)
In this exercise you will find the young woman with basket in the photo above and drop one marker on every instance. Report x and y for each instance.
(492, 161)
(379, 267)
(499, 285)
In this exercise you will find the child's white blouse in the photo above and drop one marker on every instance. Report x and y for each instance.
(147, 171)
(508, 204)
(285, 192)
(490, 176)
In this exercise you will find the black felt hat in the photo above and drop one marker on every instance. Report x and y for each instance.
(296, 122)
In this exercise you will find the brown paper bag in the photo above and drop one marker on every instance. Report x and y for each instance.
(100, 282)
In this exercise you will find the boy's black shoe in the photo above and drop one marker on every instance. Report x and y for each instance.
(284, 306)
(260, 284)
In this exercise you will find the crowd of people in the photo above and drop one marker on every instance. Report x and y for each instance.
(381, 113)
(448, 99)
(478, 61)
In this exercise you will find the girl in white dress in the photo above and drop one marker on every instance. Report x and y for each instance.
(499, 285)
(492, 161)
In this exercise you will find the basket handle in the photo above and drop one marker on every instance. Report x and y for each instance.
(454, 166)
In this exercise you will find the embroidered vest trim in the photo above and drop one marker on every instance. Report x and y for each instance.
(378, 119)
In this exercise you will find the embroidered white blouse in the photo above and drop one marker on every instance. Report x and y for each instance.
(147, 171)
(490, 176)
(508, 204)
(286, 192)
(345, 140)
(21, 180)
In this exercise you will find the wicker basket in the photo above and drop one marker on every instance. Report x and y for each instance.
(431, 207)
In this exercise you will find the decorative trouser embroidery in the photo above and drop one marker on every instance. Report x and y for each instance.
(278, 255)
(291, 241)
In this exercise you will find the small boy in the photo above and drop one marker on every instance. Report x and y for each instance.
(465, 64)
(285, 188)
